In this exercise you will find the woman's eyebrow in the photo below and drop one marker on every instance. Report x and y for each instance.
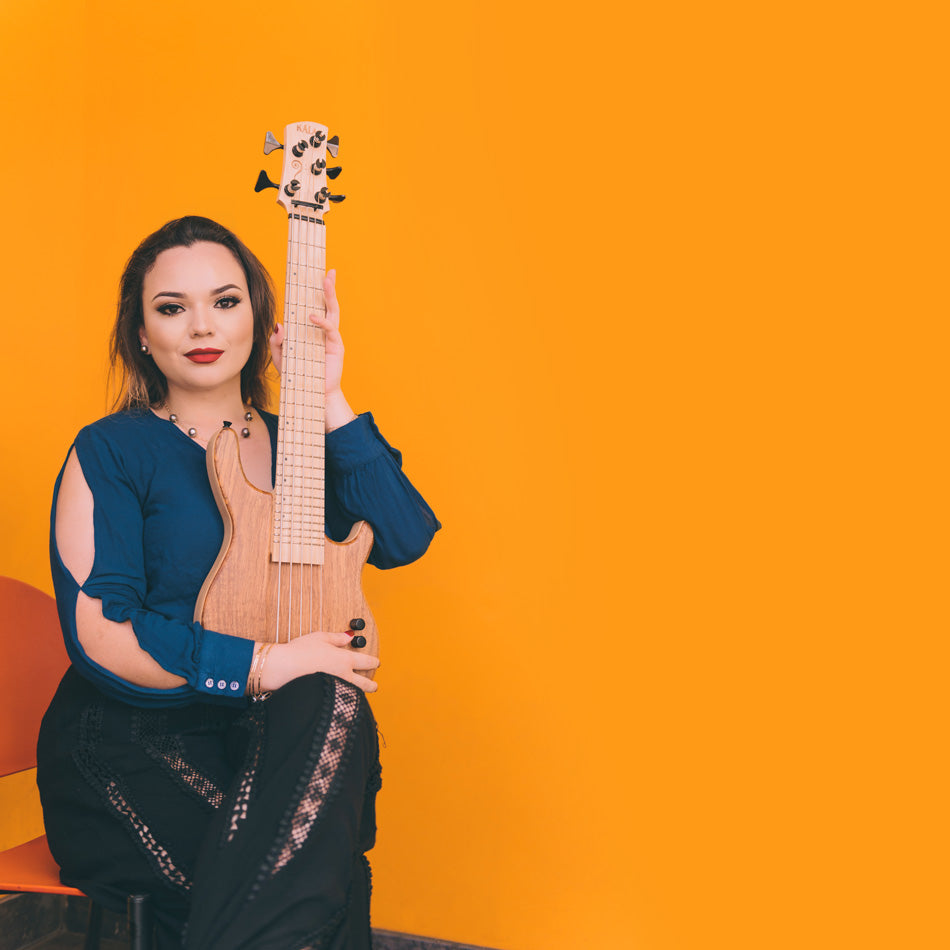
(174, 293)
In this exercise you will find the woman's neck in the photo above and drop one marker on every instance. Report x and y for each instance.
(204, 411)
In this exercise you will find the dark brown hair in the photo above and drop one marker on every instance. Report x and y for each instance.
(140, 382)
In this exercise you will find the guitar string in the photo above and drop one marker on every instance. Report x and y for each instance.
(308, 487)
(314, 397)
(299, 332)
(301, 530)
(282, 438)
(305, 488)
(291, 420)
(302, 490)
(311, 285)
(302, 418)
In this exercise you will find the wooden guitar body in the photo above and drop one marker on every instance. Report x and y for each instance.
(248, 594)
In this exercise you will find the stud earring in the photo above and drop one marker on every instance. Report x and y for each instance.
(145, 348)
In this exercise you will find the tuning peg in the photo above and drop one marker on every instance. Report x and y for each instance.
(271, 143)
(264, 182)
(333, 172)
(337, 198)
(333, 145)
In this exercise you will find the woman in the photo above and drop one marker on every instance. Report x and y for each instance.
(246, 821)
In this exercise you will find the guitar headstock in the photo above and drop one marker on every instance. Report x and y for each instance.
(305, 176)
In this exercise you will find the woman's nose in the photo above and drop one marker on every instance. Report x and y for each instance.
(201, 322)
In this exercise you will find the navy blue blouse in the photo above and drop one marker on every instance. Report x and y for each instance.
(158, 531)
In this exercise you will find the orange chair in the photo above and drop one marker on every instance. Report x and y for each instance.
(33, 646)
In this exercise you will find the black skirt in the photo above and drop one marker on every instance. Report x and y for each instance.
(247, 827)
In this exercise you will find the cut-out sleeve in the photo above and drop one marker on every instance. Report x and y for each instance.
(365, 482)
(214, 665)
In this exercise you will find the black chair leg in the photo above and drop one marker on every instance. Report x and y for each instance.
(94, 927)
(140, 923)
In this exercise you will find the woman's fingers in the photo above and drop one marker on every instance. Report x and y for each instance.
(364, 683)
(354, 661)
(364, 661)
(349, 659)
(330, 327)
(318, 652)
(276, 346)
(330, 322)
(329, 293)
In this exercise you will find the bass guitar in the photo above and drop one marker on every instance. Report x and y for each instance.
(277, 575)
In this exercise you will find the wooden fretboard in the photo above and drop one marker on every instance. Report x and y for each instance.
(298, 527)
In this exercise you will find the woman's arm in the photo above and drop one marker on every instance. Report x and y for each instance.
(99, 569)
(108, 644)
(365, 481)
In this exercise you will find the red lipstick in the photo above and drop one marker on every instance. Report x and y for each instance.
(203, 356)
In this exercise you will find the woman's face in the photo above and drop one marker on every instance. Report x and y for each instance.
(198, 322)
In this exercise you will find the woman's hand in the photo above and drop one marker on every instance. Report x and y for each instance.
(317, 653)
(338, 411)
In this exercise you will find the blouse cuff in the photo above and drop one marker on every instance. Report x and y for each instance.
(354, 444)
(223, 665)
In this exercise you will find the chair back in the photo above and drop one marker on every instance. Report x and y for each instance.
(32, 662)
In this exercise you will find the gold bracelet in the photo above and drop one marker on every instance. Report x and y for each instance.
(253, 680)
(265, 649)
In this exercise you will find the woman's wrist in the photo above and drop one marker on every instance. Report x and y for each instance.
(258, 678)
(338, 411)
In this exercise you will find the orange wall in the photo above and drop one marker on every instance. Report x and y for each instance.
(646, 298)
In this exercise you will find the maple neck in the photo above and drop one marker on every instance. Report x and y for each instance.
(299, 533)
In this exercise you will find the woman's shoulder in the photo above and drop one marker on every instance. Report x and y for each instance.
(118, 429)
(132, 440)
(120, 423)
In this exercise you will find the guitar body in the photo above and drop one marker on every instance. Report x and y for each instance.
(247, 594)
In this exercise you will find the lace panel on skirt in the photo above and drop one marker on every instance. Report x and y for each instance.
(116, 794)
(253, 721)
(330, 749)
(150, 731)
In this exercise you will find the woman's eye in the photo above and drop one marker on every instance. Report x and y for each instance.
(226, 303)
(170, 308)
